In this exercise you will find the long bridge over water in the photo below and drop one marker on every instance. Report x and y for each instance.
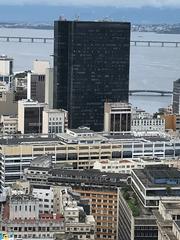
(150, 92)
(136, 43)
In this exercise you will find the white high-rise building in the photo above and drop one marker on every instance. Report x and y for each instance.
(6, 65)
(40, 66)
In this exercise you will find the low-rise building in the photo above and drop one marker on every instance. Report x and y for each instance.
(9, 124)
(155, 183)
(170, 122)
(148, 125)
(82, 135)
(38, 169)
(145, 122)
(126, 165)
(20, 81)
(77, 223)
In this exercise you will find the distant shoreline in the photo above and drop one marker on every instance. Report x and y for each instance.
(51, 27)
(29, 27)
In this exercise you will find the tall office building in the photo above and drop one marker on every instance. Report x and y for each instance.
(49, 87)
(117, 117)
(91, 66)
(176, 97)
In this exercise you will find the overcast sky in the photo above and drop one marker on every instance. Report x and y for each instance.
(113, 3)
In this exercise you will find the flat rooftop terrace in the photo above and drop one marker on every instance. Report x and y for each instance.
(130, 137)
(158, 176)
(27, 139)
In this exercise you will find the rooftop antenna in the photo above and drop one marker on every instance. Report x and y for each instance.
(62, 18)
(77, 17)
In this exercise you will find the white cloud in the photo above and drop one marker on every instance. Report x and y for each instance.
(115, 3)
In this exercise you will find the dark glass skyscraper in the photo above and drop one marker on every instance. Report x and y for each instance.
(176, 97)
(91, 66)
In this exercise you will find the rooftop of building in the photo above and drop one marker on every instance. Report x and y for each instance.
(84, 136)
(55, 110)
(158, 176)
(44, 161)
(5, 57)
(87, 177)
(28, 139)
(144, 138)
(31, 103)
(22, 198)
(177, 81)
(88, 174)
(136, 207)
(81, 135)
(81, 130)
(96, 22)
(118, 104)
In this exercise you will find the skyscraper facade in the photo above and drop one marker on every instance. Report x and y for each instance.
(176, 97)
(91, 66)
